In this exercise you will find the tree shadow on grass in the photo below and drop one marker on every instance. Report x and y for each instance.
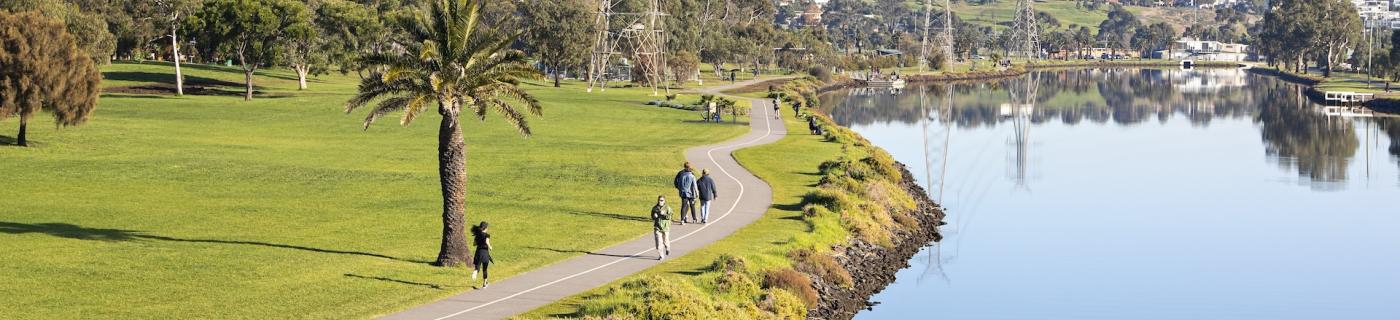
(420, 284)
(8, 141)
(608, 215)
(70, 231)
(167, 78)
(788, 207)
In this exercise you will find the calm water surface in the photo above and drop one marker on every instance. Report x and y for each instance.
(1141, 194)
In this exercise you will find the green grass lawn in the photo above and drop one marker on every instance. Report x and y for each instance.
(790, 167)
(213, 207)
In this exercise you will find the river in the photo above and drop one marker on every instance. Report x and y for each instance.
(1141, 194)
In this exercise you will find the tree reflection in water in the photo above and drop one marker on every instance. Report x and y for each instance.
(1295, 133)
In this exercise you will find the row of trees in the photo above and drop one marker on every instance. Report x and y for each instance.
(1294, 32)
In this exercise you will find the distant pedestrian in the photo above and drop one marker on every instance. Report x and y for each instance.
(661, 227)
(685, 186)
(777, 109)
(482, 260)
(708, 193)
(796, 107)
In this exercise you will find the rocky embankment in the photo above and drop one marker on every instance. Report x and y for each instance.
(873, 267)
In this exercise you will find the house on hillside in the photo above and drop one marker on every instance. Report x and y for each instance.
(1192, 49)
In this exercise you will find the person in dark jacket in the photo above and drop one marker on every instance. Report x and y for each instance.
(482, 260)
(685, 186)
(706, 186)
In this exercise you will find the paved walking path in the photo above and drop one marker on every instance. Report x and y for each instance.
(743, 198)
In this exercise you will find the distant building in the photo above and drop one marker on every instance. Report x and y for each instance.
(1376, 13)
(1190, 48)
(1093, 53)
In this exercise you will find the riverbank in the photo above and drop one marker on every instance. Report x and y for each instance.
(1021, 69)
(838, 202)
(1318, 86)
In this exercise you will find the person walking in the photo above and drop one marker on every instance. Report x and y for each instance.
(706, 186)
(661, 227)
(685, 186)
(777, 109)
(482, 260)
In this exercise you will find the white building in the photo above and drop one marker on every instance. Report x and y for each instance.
(1190, 48)
(1375, 13)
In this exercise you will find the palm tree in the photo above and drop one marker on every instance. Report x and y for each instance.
(456, 62)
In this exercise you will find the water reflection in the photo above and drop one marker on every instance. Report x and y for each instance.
(1141, 194)
(1299, 135)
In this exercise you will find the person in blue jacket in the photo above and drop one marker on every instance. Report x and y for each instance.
(706, 186)
(685, 186)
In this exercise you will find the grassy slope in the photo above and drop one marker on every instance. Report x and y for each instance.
(790, 167)
(211, 207)
(1001, 12)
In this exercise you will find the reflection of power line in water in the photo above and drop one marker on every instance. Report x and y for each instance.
(935, 256)
(1019, 109)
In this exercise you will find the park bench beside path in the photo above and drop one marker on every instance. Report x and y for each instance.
(744, 198)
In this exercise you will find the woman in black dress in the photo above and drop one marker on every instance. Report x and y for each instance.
(482, 260)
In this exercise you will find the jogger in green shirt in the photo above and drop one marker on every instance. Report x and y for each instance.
(661, 227)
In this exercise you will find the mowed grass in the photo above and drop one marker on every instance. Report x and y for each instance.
(213, 207)
(790, 167)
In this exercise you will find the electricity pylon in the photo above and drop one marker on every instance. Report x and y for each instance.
(1025, 32)
(642, 34)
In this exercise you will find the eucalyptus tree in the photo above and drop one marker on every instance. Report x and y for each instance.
(171, 14)
(43, 69)
(453, 61)
(1117, 29)
(348, 30)
(559, 33)
(252, 30)
(1339, 28)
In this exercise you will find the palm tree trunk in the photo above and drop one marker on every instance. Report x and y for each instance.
(23, 124)
(452, 160)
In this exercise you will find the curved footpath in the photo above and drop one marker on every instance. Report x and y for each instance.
(743, 199)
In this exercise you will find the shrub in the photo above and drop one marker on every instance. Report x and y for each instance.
(820, 72)
(795, 282)
(883, 164)
(937, 61)
(737, 284)
(784, 305)
(824, 266)
(728, 262)
(813, 211)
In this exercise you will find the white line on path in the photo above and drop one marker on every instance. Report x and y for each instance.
(768, 131)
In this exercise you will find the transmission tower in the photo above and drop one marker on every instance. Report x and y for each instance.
(945, 38)
(1025, 32)
(923, 42)
(639, 37)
